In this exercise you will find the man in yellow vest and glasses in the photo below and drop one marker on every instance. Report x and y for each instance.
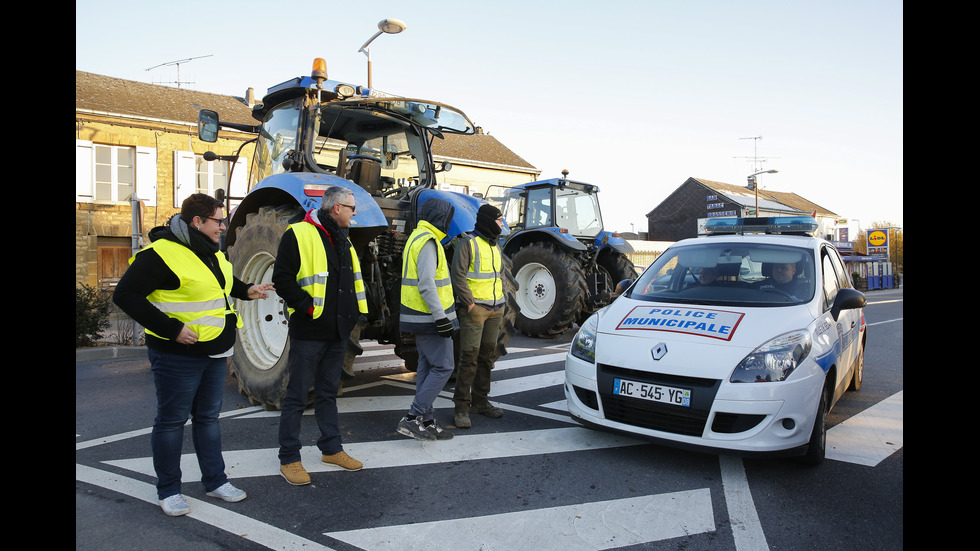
(479, 288)
(318, 274)
(428, 310)
(180, 288)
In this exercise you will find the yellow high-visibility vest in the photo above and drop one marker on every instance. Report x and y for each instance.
(415, 312)
(483, 275)
(313, 270)
(200, 302)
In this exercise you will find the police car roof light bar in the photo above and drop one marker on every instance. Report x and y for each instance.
(785, 225)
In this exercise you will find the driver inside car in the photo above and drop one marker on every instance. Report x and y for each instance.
(783, 278)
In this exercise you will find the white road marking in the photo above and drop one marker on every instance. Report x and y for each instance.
(403, 452)
(598, 525)
(502, 365)
(886, 321)
(871, 436)
(583, 527)
(245, 527)
(742, 514)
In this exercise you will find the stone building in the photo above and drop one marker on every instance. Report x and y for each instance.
(132, 137)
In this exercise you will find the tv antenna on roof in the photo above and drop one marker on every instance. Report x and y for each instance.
(755, 158)
(177, 63)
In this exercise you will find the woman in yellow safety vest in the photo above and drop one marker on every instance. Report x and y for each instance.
(179, 289)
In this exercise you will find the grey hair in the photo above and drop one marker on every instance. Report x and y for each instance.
(334, 195)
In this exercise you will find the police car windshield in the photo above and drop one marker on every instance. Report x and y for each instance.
(716, 272)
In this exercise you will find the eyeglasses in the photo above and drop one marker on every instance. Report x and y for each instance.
(351, 207)
(218, 220)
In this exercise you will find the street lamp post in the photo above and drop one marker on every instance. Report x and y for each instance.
(388, 26)
(753, 184)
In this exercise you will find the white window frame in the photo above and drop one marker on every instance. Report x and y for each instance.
(186, 176)
(145, 173)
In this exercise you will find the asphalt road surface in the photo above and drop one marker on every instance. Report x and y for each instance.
(531, 480)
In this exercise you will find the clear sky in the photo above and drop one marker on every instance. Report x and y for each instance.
(633, 95)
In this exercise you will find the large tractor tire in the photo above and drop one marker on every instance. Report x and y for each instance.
(552, 290)
(617, 266)
(511, 309)
(262, 346)
(612, 267)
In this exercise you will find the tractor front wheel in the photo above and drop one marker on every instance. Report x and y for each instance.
(262, 346)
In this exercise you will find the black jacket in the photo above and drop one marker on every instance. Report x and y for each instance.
(340, 311)
(149, 272)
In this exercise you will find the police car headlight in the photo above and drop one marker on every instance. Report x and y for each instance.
(774, 360)
(583, 345)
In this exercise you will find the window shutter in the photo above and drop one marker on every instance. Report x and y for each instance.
(84, 177)
(184, 176)
(146, 175)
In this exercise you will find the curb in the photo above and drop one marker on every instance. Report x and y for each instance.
(108, 353)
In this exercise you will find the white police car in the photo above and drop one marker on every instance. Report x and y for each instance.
(740, 341)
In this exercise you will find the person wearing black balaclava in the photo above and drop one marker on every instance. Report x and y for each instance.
(478, 286)
(179, 289)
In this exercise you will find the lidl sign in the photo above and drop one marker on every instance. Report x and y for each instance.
(878, 238)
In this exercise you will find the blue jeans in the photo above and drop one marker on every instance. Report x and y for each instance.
(315, 364)
(436, 363)
(188, 387)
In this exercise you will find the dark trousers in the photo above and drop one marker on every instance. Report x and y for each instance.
(317, 364)
(478, 331)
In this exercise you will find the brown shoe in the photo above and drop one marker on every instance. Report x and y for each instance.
(295, 474)
(462, 420)
(343, 461)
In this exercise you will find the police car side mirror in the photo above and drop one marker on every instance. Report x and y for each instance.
(847, 299)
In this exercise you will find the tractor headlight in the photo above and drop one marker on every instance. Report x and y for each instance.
(583, 345)
(774, 360)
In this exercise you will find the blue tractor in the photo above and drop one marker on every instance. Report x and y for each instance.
(312, 133)
(566, 265)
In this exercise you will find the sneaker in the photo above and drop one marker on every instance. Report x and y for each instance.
(228, 493)
(413, 428)
(175, 505)
(488, 409)
(295, 474)
(343, 461)
(462, 420)
(438, 432)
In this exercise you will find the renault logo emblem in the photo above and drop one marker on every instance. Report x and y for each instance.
(659, 351)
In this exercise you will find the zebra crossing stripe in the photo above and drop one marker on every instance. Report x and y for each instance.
(871, 436)
(217, 516)
(580, 527)
(402, 452)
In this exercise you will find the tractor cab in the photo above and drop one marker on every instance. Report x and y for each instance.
(566, 206)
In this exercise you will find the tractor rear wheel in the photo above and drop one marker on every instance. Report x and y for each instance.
(551, 291)
(511, 308)
(611, 267)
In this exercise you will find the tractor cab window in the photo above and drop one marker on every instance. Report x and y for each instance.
(578, 211)
(277, 141)
(370, 147)
(539, 208)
